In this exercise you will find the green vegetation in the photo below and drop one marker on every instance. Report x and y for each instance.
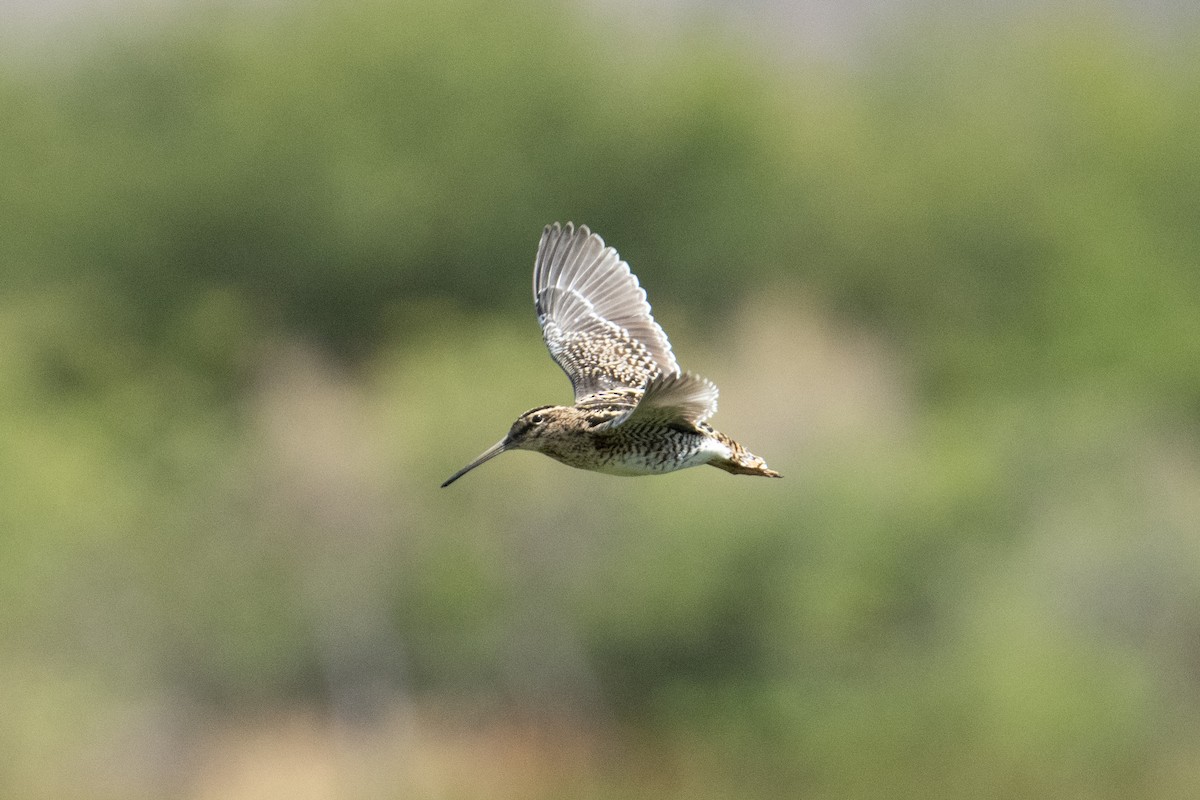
(267, 281)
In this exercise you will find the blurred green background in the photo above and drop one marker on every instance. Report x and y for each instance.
(266, 273)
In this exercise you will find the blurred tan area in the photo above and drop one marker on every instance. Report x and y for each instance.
(266, 277)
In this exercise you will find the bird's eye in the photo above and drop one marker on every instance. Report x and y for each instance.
(536, 419)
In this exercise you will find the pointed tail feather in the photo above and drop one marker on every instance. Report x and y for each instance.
(741, 461)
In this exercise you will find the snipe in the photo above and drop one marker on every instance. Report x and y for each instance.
(635, 412)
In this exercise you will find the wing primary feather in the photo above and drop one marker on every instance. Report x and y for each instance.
(542, 262)
(583, 253)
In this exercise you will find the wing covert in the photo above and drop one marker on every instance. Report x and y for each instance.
(680, 399)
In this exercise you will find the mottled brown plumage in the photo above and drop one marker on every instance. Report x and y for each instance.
(635, 412)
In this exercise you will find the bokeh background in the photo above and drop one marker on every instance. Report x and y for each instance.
(265, 273)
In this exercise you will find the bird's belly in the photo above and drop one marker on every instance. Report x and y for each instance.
(646, 464)
(646, 455)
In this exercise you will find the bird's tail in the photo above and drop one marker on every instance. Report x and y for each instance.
(741, 461)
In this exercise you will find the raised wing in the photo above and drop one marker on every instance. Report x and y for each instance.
(677, 399)
(594, 315)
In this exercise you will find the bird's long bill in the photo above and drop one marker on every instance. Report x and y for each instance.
(493, 451)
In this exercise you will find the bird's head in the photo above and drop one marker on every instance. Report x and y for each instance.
(526, 433)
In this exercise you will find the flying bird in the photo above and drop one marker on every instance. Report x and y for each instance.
(635, 411)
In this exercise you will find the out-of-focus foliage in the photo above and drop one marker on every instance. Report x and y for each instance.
(267, 286)
(330, 163)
